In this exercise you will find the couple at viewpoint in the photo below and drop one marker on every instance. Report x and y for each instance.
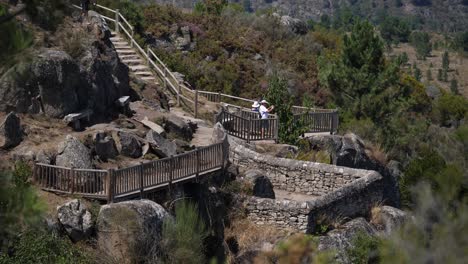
(263, 111)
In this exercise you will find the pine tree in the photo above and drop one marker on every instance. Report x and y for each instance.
(429, 75)
(454, 86)
(417, 73)
(439, 75)
(445, 61)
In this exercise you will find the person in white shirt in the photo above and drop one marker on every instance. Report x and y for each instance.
(264, 111)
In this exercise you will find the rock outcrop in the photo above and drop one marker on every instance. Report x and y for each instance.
(339, 240)
(387, 218)
(75, 219)
(129, 145)
(58, 84)
(124, 229)
(11, 133)
(73, 153)
(161, 146)
(262, 186)
(178, 126)
(105, 147)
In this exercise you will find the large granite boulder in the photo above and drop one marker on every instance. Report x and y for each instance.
(129, 145)
(11, 133)
(295, 25)
(73, 153)
(387, 218)
(105, 147)
(262, 186)
(125, 229)
(178, 126)
(339, 240)
(58, 84)
(75, 219)
(162, 147)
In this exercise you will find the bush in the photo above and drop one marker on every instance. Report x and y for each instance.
(364, 249)
(40, 246)
(422, 42)
(13, 38)
(182, 238)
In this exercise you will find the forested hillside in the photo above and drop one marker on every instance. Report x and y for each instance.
(440, 15)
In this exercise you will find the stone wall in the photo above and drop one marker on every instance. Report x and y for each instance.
(304, 177)
(341, 192)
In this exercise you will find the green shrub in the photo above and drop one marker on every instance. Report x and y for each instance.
(364, 249)
(43, 247)
(13, 38)
(182, 238)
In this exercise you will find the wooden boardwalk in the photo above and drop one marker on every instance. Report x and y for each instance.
(121, 184)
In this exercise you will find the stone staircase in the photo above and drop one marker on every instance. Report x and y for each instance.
(132, 59)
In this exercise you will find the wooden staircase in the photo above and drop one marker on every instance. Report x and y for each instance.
(132, 59)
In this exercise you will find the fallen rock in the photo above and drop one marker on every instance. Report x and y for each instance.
(75, 219)
(339, 240)
(178, 126)
(73, 153)
(104, 146)
(153, 126)
(124, 229)
(262, 186)
(44, 157)
(11, 133)
(130, 146)
(161, 146)
(388, 218)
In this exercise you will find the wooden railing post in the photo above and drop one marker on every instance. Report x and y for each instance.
(148, 56)
(72, 178)
(132, 39)
(171, 173)
(249, 128)
(219, 97)
(197, 153)
(117, 18)
(141, 180)
(179, 90)
(196, 103)
(110, 185)
(275, 128)
(34, 171)
(165, 77)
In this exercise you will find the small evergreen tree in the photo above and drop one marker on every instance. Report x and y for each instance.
(422, 43)
(429, 75)
(445, 61)
(417, 73)
(439, 75)
(454, 86)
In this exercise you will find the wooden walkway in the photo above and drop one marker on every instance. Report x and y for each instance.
(122, 184)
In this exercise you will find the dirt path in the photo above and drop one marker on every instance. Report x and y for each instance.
(202, 136)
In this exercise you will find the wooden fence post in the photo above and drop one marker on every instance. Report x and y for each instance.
(197, 153)
(110, 186)
(165, 77)
(117, 18)
(72, 178)
(275, 129)
(148, 56)
(131, 39)
(141, 180)
(171, 173)
(179, 90)
(196, 103)
(219, 97)
(249, 128)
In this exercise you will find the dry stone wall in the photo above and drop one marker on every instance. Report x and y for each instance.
(341, 192)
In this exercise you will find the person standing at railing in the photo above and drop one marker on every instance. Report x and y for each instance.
(264, 112)
(255, 107)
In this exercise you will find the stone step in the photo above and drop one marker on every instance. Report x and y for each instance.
(126, 51)
(116, 39)
(138, 67)
(150, 78)
(129, 57)
(146, 73)
(132, 61)
(120, 43)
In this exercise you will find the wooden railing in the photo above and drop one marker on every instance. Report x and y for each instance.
(315, 122)
(123, 183)
(248, 125)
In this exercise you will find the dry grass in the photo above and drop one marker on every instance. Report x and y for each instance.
(250, 236)
(376, 152)
(376, 214)
(458, 66)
